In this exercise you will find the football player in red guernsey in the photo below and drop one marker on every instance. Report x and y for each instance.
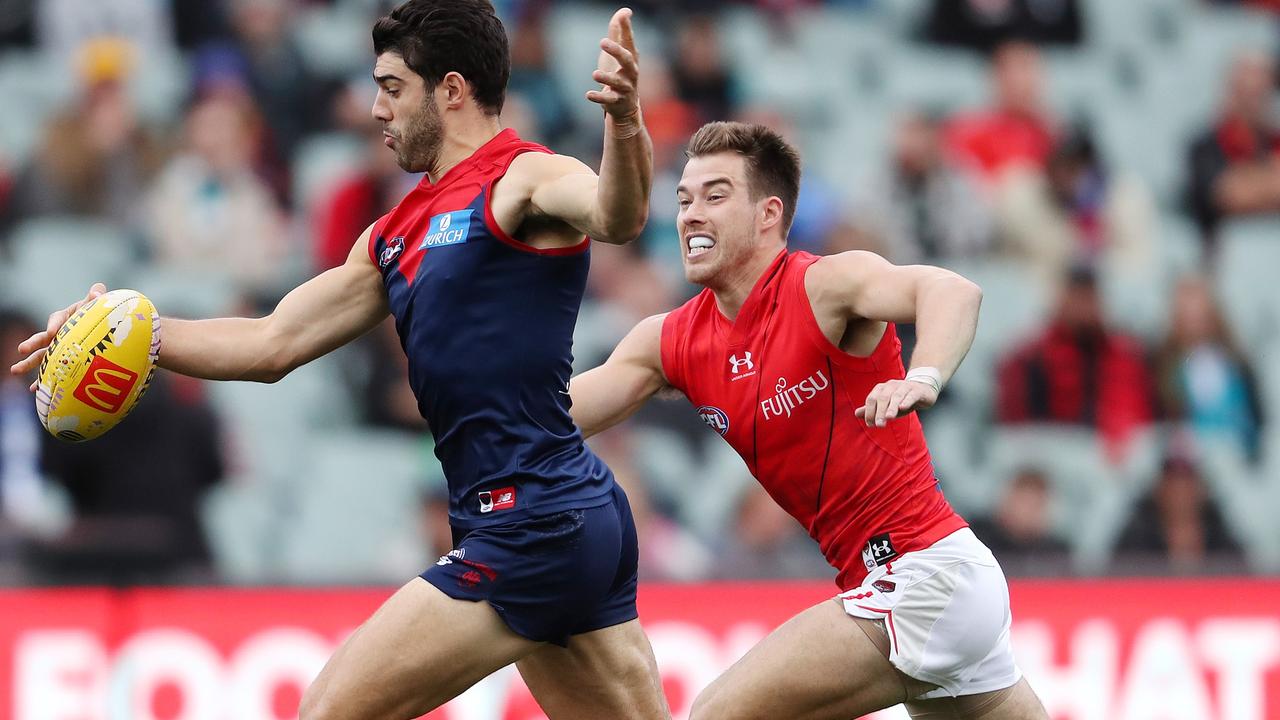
(795, 361)
(483, 265)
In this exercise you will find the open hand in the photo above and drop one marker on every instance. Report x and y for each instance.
(37, 345)
(618, 70)
(889, 400)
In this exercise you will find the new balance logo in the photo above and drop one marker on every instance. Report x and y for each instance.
(502, 499)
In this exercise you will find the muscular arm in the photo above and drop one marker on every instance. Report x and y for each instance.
(605, 396)
(315, 318)
(944, 307)
(612, 207)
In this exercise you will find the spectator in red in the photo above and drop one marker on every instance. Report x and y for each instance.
(1017, 131)
(1235, 164)
(1078, 371)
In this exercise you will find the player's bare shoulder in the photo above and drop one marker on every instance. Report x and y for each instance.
(834, 285)
(832, 281)
(532, 170)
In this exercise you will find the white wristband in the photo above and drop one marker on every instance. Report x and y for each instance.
(926, 375)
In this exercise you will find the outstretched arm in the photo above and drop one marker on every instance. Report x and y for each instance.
(943, 306)
(318, 316)
(614, 206)
(605, 396)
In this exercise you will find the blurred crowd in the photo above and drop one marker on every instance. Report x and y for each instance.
(227, 147)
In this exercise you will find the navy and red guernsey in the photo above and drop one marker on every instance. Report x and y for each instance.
(784, 397)
(486, 322)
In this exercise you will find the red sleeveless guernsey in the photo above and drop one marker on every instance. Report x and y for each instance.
(783, 396)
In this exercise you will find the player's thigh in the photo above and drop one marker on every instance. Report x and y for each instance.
(417, 651)
(607, 673)
(1015, 703)
(820, 665)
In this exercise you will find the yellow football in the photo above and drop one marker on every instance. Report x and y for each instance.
(98, 366)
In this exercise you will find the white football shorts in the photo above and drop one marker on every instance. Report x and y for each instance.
(946, 609)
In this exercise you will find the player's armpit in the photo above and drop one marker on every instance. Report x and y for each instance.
(605, 396)
(315, 318)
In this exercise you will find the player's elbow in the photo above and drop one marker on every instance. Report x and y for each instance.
(621, 233)
(277, 357)
(960, 289)
(272, 369)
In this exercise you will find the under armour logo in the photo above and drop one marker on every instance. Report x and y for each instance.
(879, 550)
(744, 363)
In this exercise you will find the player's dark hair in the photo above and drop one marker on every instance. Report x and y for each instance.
(436, 37)
(773, 164)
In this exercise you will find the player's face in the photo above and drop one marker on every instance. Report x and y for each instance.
(717, 217)
(411, 124)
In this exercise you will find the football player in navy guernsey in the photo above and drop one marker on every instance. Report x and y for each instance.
(483, 265)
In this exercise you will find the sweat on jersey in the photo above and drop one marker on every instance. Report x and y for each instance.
(783, 396)
(486, 322)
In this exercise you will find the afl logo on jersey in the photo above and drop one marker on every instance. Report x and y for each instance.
(449, 228)
(715, 417)
(391, 251)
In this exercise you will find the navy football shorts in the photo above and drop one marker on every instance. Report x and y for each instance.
(552, 576)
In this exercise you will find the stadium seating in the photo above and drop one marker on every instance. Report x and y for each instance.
(316, 498)
(56, 259)
(1249, 252)
(1243, 496)
(321, 161)
(703, 490)
(334, 41)
(1013, 306)
(1092, 491)
(355, 508)
(32, 86)
(183, 292)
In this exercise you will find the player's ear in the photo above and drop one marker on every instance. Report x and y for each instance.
(452, 90)
(770, 212)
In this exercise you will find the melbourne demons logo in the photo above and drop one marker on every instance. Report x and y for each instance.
(715, 417)
(391, 251)
(105, 386)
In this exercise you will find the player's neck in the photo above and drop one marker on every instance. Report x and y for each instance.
(732, 292)
(462, 141)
